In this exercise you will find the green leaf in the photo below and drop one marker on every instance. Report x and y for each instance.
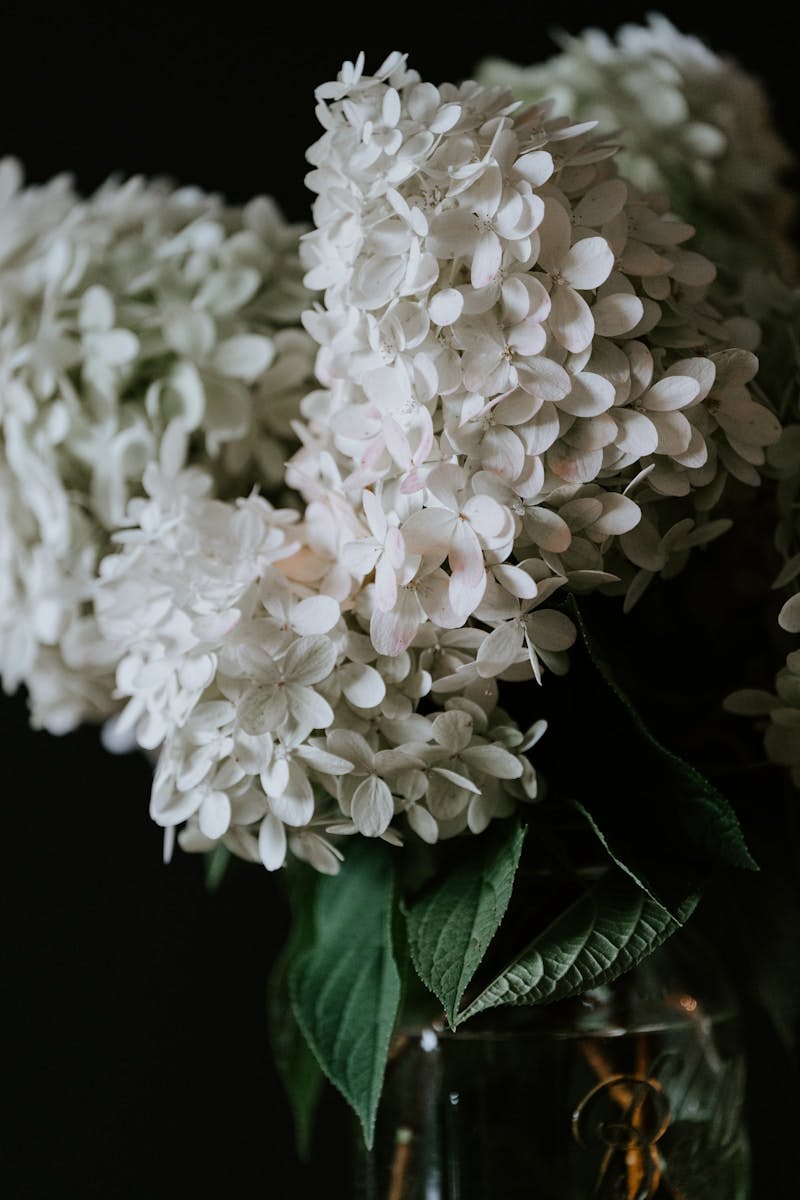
(345, 988)
(452, 924)
(216, 865)
(604, 933)
(297, 1067)
(659, 818)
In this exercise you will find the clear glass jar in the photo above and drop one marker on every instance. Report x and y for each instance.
(633, 1091)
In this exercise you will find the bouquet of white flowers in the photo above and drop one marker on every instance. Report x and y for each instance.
(353, 527)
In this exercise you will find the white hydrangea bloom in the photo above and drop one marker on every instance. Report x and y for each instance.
(522, 390)
(119, 313)
(508, 329)
(689, 123)
(279, 723)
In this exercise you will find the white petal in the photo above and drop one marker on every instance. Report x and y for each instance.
(445, 306)
(262, 710)
(493, 760)
(315, 614)
(362, 685)
(453, 730)
(789, 616)
(547, 529)
(307, 707)
(295, 805)
(214, 814)
(550, 630)
(620, 515)
(536, 166)
(617, 314)
(372, 807)
(423, 824)
(751, 702)
(486, 260)
(309, 660)
(591, 395)
(272, 842)
(499, 650)
(570, 319)
(674, 391)
(588, 263)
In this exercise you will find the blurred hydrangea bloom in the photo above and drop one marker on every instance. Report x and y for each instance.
(689, 123)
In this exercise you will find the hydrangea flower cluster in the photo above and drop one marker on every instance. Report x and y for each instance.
(690, 123)
(523, 389)
(279, 722)
(119, 313)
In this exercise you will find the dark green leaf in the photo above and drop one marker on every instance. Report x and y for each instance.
(345, 988)
(604, 933)
(297, 1067)
(659, 818)
(452, 924)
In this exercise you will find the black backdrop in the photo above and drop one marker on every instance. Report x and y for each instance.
(135, 1054)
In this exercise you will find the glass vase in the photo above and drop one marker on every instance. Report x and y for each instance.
(633, 1091)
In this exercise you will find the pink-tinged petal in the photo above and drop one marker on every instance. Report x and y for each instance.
(362, 685)
(308, 709)
(637, 434)
(588, 263)
(502, 453)
(485, 515)
(486, 259)
(674, 391)
(214, 815)
(309, 660)
(499, 650)
(392, 632)
(385, 585)
(574, 466)
(550, 630)
(570, 319)
(314, 615)
(272, 842)
(395, 547)
(555, 235)
(372, 807)
(429, 531)
(465, 553)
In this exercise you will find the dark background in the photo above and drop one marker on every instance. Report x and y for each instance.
(135, 1055)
